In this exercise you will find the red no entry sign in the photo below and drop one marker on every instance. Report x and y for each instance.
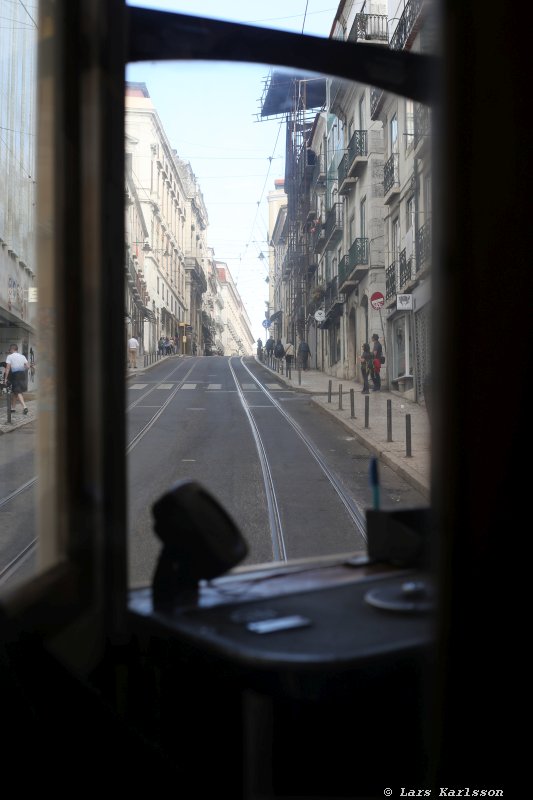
(377, 300)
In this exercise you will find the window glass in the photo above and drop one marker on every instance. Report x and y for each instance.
(231, 176)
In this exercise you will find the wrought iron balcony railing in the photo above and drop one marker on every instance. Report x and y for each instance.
(422, 123)
(423, 247)
(354, 265)
(391, 287)
(391, 174)
(406, 269)
(334, 223)
(333, 301)
(406, 25)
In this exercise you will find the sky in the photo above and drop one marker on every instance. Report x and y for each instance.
(209, 113)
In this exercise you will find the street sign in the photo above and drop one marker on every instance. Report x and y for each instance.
(320, 315)
(404, 301)
(266, 323)
(377, 300)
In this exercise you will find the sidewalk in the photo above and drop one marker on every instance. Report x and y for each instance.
(415, 469)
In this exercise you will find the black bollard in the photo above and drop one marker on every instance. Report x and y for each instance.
(389, 420)
(408, 435)
(299, 376)
(329, 391)
(367, 411)
(352, 404)
(340, 396)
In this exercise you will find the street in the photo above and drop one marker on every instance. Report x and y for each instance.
(293, 478)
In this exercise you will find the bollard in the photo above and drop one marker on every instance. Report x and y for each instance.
(8, 407)
(352, 404)
(329, 391)
(408, 435)
(299, 376)
(340, 396)
(367, 411)
(389, 420)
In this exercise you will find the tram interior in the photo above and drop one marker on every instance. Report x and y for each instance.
(106, 689)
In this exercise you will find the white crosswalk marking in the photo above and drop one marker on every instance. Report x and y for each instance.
(139, 386)
(215, 386)
(165, 386)
(248, 387)
(189, 386)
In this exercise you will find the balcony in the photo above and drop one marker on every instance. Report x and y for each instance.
(423, 248)
(354, 266)
(377, 97)
(406, 271)
(318, 238)
(319, 174)
(333, 301)
(408, 26)
(193, 266)
(391, 179)
(422, 129)
(353, 161)
(369, 28)
(391, 286)
(334, 225)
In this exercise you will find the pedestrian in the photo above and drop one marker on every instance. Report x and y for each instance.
(377, 355)
(260, 349)
(269, 347)
(279, 350)
(303, 353)
(16, 374)
(365, 360)
(289, 355)
(161, 346)
(133, 348)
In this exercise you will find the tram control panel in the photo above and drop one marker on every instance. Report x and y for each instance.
(323, 616)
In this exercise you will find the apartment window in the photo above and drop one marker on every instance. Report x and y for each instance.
(393, 131)
(362, 113)
(395, 239)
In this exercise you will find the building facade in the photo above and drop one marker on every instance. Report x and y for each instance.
(352, 249)
(165, 229)
(236, 330)
(18, 187)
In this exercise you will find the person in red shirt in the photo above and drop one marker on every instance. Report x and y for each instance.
(377, 352)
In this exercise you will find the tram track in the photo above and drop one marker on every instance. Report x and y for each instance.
(355, 514)
(242, 377)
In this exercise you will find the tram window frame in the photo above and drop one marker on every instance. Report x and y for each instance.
(89, 586)
(86, 160)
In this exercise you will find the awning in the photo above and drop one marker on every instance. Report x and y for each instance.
(276, 317)
(279, 97)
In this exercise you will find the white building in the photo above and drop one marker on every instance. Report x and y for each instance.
(167, 229)
(237, 338)
(18, 271)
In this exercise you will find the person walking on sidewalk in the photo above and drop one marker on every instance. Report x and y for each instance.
(377, 353)
(289, 355)
(366, 367)
(269, 348)
(303, 354)
(133, 347)
(17, 374)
